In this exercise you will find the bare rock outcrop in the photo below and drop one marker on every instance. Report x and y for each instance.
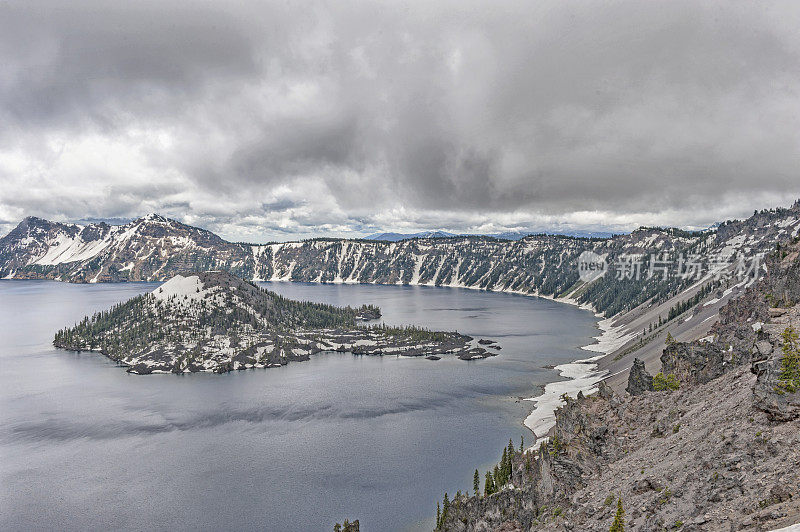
(775, 392)
(639, 380)
(697, 362)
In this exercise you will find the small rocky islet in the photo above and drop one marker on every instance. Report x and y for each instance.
(217, 322)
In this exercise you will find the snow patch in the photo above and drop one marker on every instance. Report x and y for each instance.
(790, 528)
(611, 339)
(582, 375)
(65, 249)
(180, 286)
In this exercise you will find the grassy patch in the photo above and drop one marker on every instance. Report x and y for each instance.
(790, 362)
(669, 382)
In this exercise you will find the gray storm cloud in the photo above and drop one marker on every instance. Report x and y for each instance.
(269, 120)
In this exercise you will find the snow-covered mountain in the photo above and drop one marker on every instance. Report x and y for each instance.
(155, 248)
(144, 249)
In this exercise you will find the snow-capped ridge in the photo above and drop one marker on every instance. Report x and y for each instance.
(156, 248)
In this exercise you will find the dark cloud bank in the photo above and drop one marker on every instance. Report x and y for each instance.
(283, 120)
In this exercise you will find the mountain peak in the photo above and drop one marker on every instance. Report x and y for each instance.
(195, 285)
(155, 217)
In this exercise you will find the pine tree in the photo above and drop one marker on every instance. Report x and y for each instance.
(503, 460)
(509, 464)
(619, 519)
(438, 515)
(476, 483)
(488, 487)
(522, 444)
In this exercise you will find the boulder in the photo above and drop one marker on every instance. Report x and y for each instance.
(779, 403)
(763, 347)
(771, 394)
(604, 390)
(775, 312)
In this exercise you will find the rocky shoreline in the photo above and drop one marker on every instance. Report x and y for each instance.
(278, 349)
(710, 442)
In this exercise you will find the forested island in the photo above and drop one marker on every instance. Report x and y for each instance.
(216, 322)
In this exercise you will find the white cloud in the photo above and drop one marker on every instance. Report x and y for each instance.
(270, 121)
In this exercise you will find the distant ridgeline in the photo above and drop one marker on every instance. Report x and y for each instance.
(155, 249)
(214, 321)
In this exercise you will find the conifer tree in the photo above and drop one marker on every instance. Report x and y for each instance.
(509, 456)
(503, 470)
(488, 487)
(476, 483)
(619, 519)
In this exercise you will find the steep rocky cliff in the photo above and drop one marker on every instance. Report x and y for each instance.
(155, 248)
(710, 443)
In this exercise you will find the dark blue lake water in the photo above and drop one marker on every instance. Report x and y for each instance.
(85, 445)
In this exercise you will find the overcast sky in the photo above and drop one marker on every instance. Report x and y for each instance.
(264, 121)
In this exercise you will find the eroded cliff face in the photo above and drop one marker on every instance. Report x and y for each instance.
(152, 248)
(720, 452)
(155, 248)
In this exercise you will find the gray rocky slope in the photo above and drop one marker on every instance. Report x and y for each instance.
(718, 450)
